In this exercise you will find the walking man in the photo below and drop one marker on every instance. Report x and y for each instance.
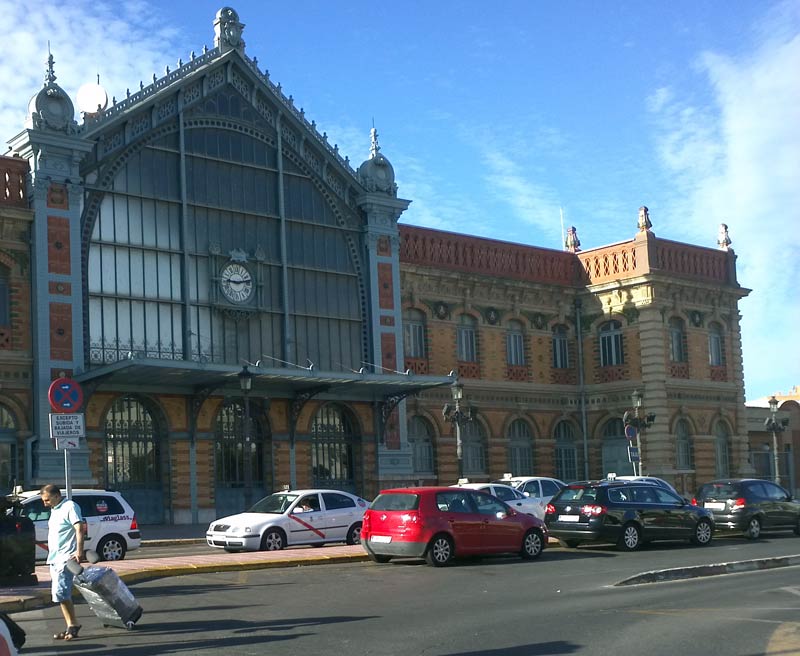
(64, 543)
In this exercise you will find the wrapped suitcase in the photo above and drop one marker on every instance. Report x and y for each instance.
(108, 597)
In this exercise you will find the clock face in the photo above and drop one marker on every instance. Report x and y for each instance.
(236, 282)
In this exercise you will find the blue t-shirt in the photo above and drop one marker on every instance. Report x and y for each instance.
(62, 540)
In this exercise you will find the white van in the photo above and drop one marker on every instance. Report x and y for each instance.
(111, 528)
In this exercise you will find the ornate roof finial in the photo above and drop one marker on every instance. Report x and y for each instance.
(374, 148)
(723, 240)
(228, 30)
(50, 76)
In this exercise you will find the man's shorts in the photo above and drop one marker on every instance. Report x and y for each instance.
(61, 582)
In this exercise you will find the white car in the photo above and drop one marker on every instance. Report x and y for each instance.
(288, 518)
(111, 527)
(540, 488)
(512, 497)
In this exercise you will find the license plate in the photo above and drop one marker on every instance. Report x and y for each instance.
(383, 539)
(568, 518)
(714, 505)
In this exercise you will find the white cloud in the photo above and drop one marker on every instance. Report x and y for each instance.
(122, 42)
(737, 161)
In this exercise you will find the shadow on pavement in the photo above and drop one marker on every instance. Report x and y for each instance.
(537, 649)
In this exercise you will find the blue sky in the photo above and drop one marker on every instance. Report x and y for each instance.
(495, 115)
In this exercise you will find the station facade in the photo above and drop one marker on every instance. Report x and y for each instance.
(244, 311)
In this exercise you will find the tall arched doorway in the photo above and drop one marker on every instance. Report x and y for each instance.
(239, 462)
(333, 442)
(615, 449)
(136, 459)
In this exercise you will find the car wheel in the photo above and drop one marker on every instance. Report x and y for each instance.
(631, 538)
(111, 547)
(702, 533)
(753, 530)
(532, 545)
(379, 558)
(354, 534)
(440, 551)
(272, 540)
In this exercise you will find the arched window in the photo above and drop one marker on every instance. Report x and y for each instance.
(716, 345)
(5, 302)
(333, 439)
(515, 344)
(560, 348)
(467, 346)
(683, 445)
(721, 450)
(9, 459)
(414, 333)
(566, 452)
(615, 449)
(520, 448)
(420, 438)
(234, 451)
(677, 340)
(611, 352)
(474, 448)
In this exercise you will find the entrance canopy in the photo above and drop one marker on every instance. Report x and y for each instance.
(184, 377)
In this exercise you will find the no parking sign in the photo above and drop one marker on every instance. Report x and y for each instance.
(65, 395)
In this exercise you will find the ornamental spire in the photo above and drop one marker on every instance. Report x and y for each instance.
(374, 148)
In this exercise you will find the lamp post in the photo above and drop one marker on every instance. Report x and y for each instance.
(458, 418)
(772, 424)
(246, 383)
(638, 423)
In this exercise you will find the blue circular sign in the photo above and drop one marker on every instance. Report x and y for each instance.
(630, 432)
(65, 395)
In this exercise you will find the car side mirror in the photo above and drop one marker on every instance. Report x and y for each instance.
(527, 494)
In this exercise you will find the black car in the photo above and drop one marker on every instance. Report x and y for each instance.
(748, 505)
(626, 513)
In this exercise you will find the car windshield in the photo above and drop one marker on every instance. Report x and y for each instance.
(577, 494)
(274, 503)
(396, 502)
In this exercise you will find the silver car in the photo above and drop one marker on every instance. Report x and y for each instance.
(514, 498)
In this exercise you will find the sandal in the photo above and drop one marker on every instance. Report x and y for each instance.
(70, 634)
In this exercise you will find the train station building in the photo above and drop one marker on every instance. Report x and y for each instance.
(245, 309)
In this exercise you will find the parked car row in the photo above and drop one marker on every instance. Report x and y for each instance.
(633, 512)
(439, 524)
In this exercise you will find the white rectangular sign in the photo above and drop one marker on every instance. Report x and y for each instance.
(67, 429)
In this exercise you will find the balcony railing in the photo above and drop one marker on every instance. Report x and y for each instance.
(13, 172)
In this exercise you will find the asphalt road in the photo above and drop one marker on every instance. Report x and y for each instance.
(564, 603)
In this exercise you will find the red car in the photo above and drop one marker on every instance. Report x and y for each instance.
(442, 523)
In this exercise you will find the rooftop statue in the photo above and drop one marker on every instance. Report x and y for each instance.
(572, 243)
(644, 219)
(723, 240)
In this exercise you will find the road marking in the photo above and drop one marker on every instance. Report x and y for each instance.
(785, 640)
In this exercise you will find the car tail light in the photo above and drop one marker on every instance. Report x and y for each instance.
(739, 503)
(134, 524)
(365, 522)
(592, 510)
(694, 501)
(551, 509)
(20, 527)
(410, 517)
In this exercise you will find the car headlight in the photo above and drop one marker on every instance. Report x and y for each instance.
(240, 529)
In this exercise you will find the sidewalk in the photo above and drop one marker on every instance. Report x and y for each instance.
(18, 599)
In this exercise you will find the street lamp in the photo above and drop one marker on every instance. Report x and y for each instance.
(458, 418)
(772, 424)
(638, 423)
(246, 383)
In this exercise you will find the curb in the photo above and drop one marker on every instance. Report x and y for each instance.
(735, 567)
(167, 542)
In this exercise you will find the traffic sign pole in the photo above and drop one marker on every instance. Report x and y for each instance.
(66, 396)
